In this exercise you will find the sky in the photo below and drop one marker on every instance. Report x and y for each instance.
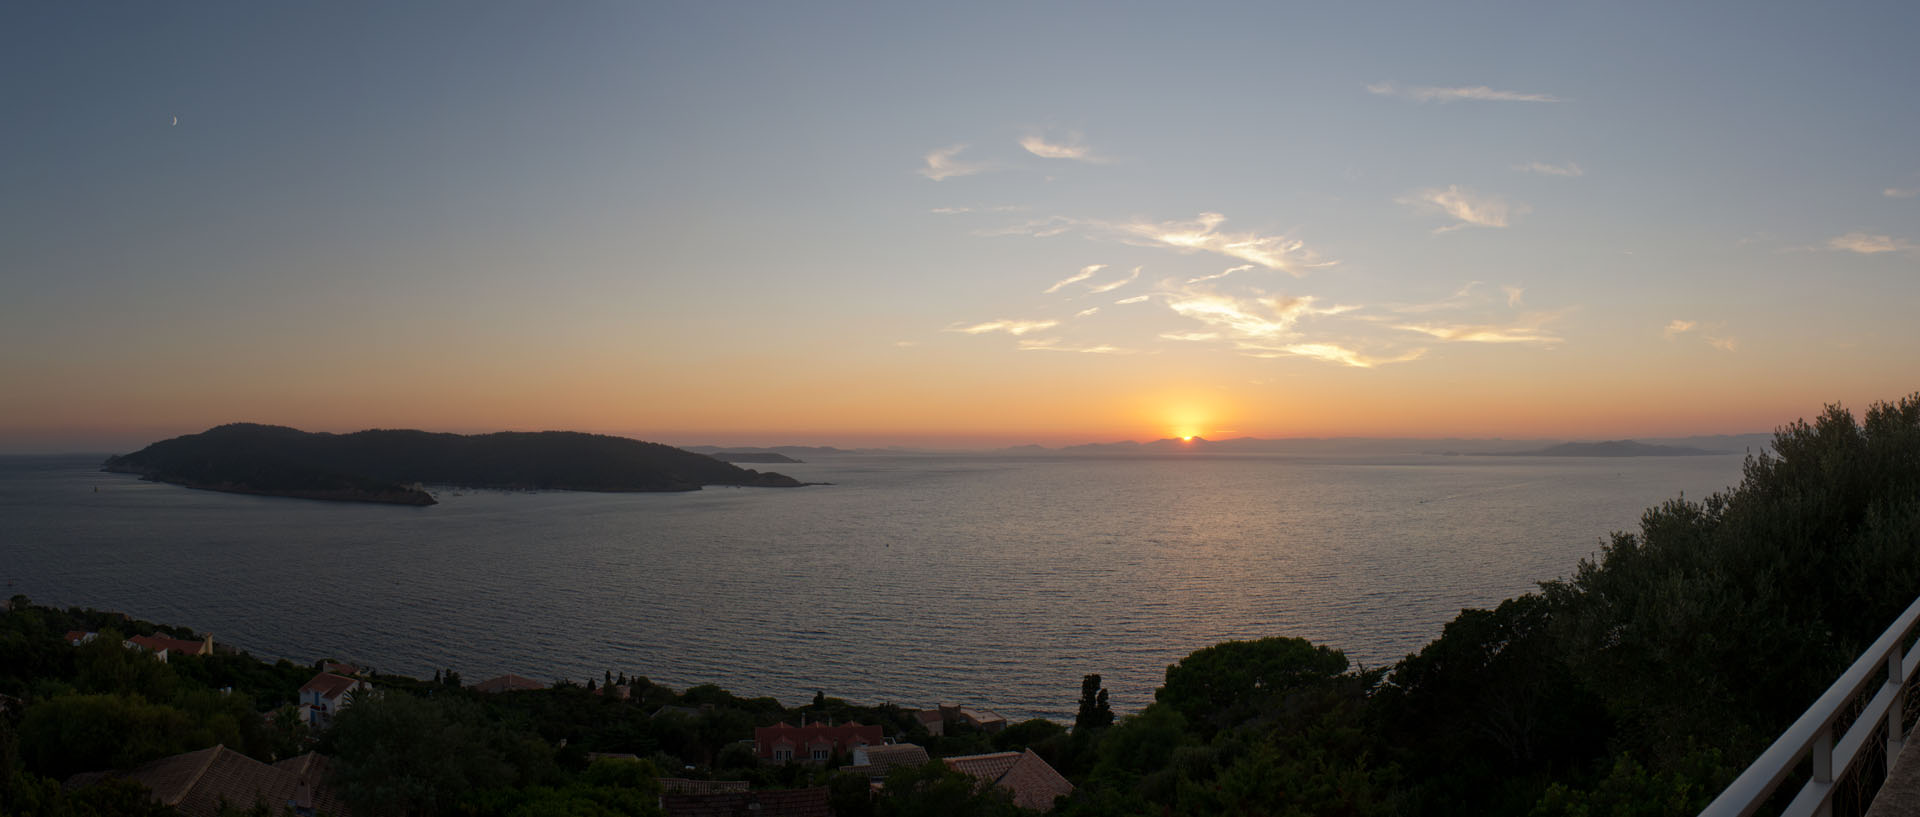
(963, 224)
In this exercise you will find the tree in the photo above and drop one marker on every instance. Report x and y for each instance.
(933, 790)
(1231, 683)
(398, 754)
(80, 733)
(1095, 712)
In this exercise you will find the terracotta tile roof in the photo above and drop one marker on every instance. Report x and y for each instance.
(329, 685)
(677, 785)
(177, 646)
(785, 803)
(508, 683)
(197, 783)
(881, 759)
(1035, 783)
(1032, 780)
(843, 737)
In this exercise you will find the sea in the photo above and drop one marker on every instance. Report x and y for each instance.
(988, 580)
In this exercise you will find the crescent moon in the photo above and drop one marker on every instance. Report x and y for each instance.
(176, 120)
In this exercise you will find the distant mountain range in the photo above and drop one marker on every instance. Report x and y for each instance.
(1610, 448)
(1387, 446)
(389, 466)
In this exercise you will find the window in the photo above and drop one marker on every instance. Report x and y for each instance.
(819, 754)
(783, 754)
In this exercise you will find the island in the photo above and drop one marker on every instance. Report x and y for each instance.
(392, 466)
(753, 456)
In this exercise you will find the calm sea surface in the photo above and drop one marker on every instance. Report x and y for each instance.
(912, 579)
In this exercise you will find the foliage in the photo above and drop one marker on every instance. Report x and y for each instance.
(1095, 711)
(933, 790)
(1228, 684)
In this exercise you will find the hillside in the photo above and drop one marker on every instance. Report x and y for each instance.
(385, 465)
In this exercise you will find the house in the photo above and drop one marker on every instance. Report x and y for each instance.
(1032, 780)
(323, 697)
(813, 743)
(812, 802)
(198, 784)
(874, 762)
(508, 683)
(680, 785)
(161, 645)
(77, 637)
(980, 719)
(935, 720)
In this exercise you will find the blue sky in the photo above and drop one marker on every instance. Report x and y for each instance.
(789, 222)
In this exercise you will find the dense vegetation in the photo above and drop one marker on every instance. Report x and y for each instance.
(382, 465)
(1639, 685)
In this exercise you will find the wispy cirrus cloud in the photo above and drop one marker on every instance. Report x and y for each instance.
(1221, 274)
(1085, 312)
(1113, 285)
(1133, 300)
(1901, 192)
(1709, 335)
(1516, 297)
(1444, 94)
(1202, 234)
(1084, 273)
(1275, 252)
(1058, 345)
(944, 163)
(1867, 244)
(1468, 208)
(1530, 328)
(1332, 353)
(1011, 327)
(1068, 148)
(1261, 317)
(1544, 169)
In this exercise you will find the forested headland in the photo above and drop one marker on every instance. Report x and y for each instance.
(390, 465)
(1639, 684)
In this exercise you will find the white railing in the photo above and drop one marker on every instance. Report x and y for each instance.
(1812, 735)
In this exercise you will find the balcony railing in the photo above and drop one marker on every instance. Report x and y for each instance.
(1812, 736)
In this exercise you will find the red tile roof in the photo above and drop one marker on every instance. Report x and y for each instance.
(679, 785)
(786, 803)
(329, 685)
(840, 738)
(177, 646)
(197, 783)
(1032, 780)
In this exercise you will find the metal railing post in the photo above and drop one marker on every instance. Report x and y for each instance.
(1823, 769)
(1896, 712)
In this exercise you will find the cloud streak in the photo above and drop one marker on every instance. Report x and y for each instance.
(1084, 273)
(944, 163)
(1440, 94)
(1011, 327)
(1901, 192)
(1113, 285)
(1275, 252)
(1866, 244)
(1466, 207)
(1544, 169)
(1038, 145)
